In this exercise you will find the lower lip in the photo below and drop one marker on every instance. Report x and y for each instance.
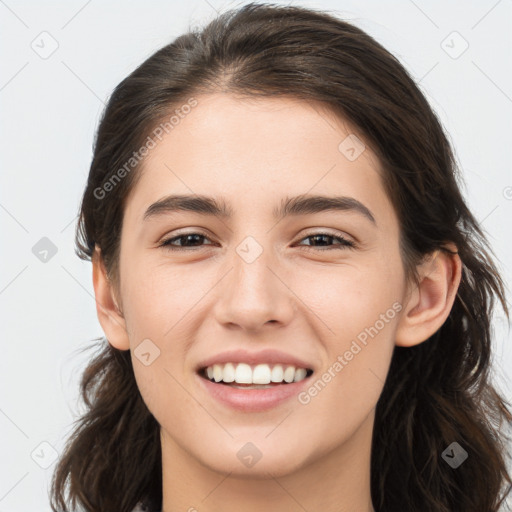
(253, 400)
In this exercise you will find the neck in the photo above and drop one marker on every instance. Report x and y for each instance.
(336, 481)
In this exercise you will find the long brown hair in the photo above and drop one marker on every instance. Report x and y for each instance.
(436, 393)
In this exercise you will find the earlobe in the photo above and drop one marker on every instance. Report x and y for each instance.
(109, 314)
(429, 303)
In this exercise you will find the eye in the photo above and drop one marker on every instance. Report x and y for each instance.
(324, 240)
(184, 239)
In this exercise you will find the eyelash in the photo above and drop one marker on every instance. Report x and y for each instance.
(344, 243)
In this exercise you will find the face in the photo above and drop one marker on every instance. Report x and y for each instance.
(323, 286)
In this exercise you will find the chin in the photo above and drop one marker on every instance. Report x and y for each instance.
(255, 459)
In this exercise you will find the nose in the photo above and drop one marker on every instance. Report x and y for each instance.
(254, 294)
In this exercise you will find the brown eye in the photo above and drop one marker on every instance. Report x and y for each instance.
(186, 241)
(322, 241)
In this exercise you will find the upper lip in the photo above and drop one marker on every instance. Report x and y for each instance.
(268, 356)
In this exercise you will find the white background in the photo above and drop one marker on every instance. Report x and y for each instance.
(50, 109)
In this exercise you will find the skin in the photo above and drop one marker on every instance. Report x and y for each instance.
(295, 297)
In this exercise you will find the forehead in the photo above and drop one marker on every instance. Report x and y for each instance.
(256, 151)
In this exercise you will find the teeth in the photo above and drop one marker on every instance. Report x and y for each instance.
(260, 374)
(300, 374)
(217, 373)
(243, 374)
(277, 373)
(228, 374)
(289, 373)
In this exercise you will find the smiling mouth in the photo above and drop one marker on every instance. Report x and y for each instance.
(257, 377)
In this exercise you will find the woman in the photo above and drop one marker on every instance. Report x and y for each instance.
(296, 298)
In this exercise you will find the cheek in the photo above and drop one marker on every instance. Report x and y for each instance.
(358, 355)
(157, 297)
(360, 306)
(349, 298)
(157, 304)
(160, 318)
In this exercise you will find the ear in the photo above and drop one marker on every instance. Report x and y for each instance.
(429, 303)
(110, 316)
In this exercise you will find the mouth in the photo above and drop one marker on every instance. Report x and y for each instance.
(253, 389)
(252, 377)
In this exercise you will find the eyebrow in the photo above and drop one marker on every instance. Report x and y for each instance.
(298, 205)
